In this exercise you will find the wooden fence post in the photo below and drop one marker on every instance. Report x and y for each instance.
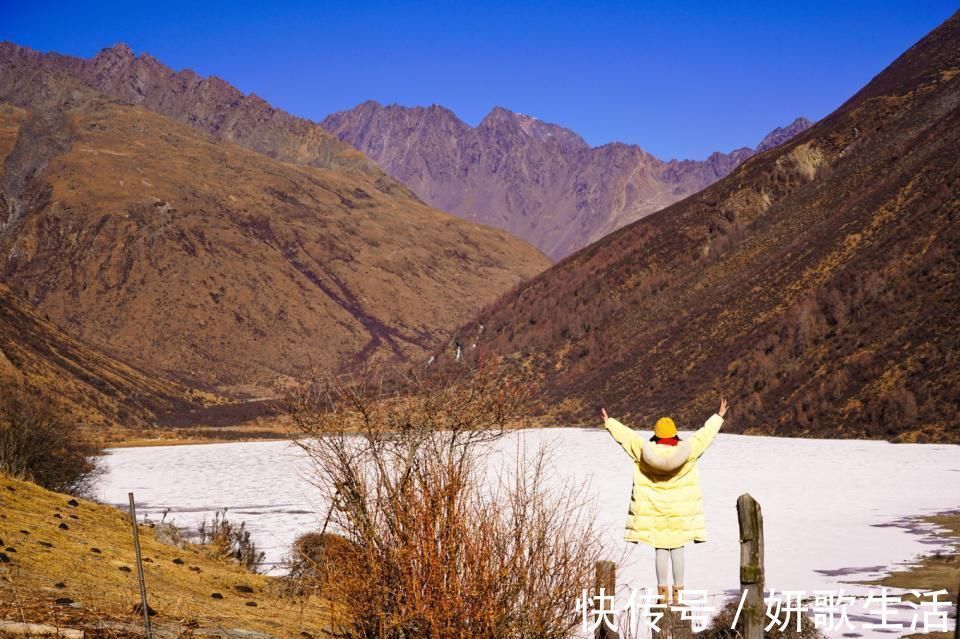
(605, 584)
(751, 565)
(143, 584)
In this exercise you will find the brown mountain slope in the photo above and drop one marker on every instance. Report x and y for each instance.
(218, 266)
(96, 389)
(539, 181)
(816, 286)
(208, 104)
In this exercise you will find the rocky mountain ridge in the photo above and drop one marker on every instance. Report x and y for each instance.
(209, 104)
(540, 181)
(197, 257)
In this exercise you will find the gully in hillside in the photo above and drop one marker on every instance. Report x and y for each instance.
(666, 505)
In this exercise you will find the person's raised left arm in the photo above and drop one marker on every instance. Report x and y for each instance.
(702, 439)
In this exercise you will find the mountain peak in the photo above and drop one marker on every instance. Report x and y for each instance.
(535, 128)
(119, 50)
(497, 115)
(338, 246)
(207, 103)
(500, 114)
(562, 193)
(837, 244)
(373, 108)
(783, 133)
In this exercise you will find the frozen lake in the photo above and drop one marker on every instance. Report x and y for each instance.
(830, 507)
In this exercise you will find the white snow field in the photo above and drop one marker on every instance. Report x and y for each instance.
(830, 507)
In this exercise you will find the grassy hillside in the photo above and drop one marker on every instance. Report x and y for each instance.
(83, 557)
(816, 286)
(93, 388)
(217, 266)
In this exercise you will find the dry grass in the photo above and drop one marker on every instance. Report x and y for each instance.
(252, 431)
(180, 581)
(936, 570)
(260, 257)
(932, 571)
(87, 386)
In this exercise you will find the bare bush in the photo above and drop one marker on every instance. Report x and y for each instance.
(429, 543)
(38, 444)
(318, 560)
(225, 539)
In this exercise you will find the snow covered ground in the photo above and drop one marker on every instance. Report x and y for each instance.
(830, 507)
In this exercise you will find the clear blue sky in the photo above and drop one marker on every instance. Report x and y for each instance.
(681, 79)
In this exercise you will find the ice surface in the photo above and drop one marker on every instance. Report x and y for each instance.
(828, 505)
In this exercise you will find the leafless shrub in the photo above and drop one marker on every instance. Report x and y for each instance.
(317, 560)
(225, 539)
(429, 542)
(38, 444)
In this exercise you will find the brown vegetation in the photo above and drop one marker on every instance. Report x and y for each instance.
(39, 444)
(90, 562)
(224, 539)
(201, 261)
(816, 286)
(88, 387)
(931, 570)
(427, 541)
(208, 104)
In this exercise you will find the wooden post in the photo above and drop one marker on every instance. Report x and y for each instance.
(143, 584)
(606, 584)
(751, 565)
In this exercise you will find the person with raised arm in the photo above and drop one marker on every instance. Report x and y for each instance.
(666, 504)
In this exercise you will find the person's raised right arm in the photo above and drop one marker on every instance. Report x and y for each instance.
(627, 438)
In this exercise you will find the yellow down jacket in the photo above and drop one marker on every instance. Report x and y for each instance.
(666, 505)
